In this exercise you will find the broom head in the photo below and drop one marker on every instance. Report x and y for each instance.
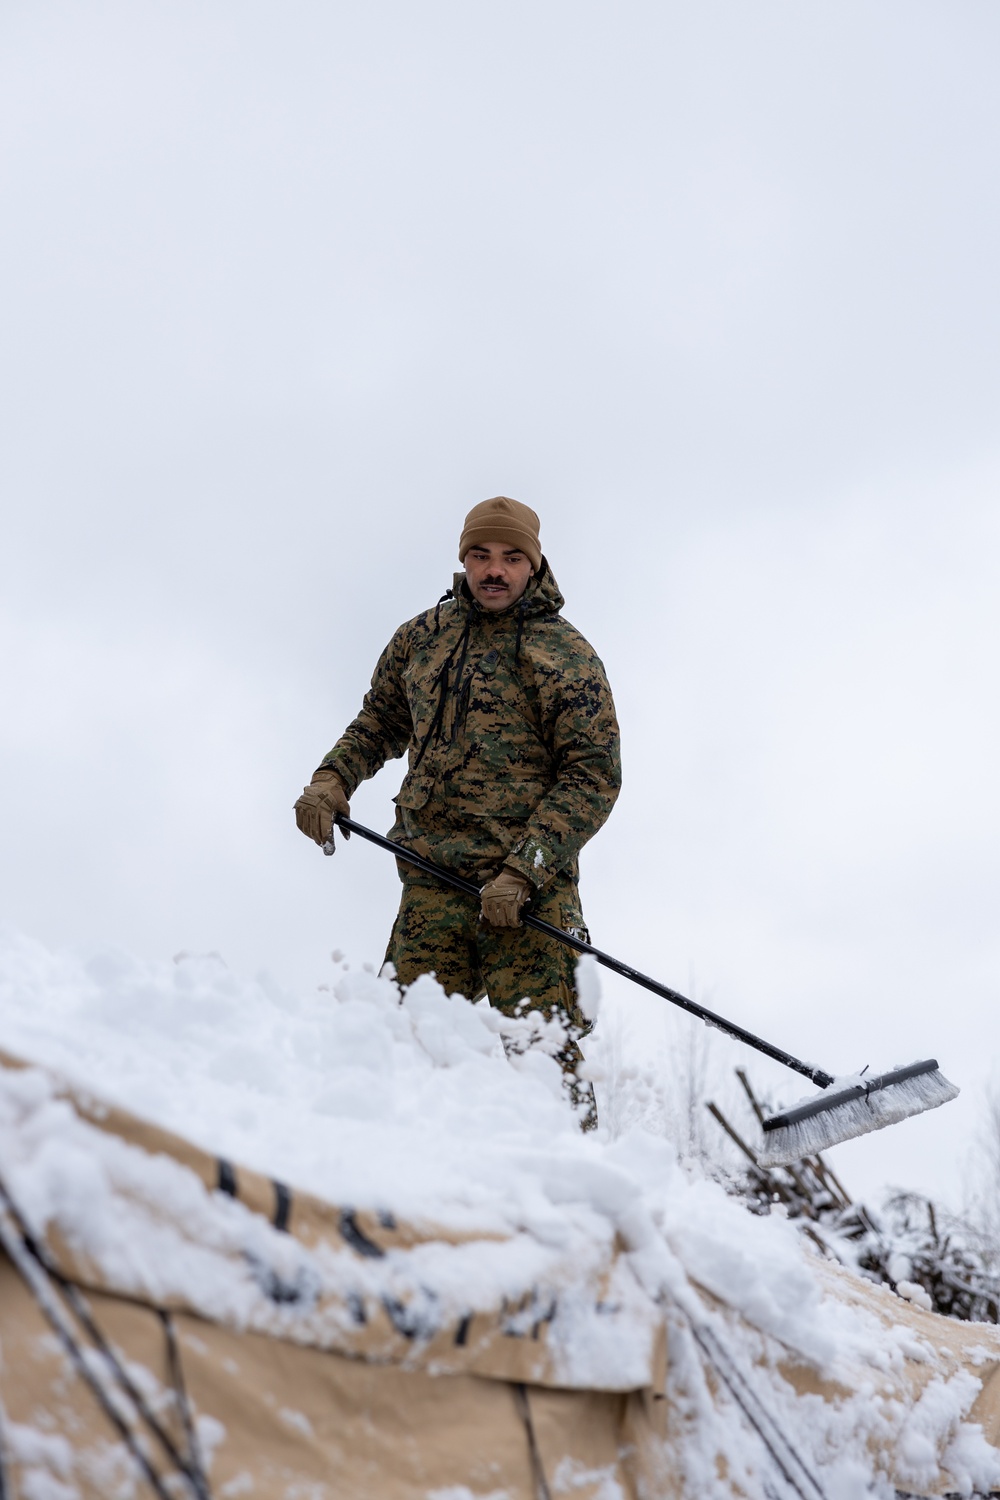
(853, 1106)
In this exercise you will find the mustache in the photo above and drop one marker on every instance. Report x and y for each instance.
(497, 582)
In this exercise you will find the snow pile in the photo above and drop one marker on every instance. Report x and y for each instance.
(411, 1107)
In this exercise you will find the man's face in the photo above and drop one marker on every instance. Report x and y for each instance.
(497, 575)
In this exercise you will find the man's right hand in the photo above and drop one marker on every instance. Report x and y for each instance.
(321, 801)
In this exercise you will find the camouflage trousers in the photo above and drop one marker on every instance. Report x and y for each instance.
(438, 931)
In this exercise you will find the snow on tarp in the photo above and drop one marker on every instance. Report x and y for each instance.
(385, 1250)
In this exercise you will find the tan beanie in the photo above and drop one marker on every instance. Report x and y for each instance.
(502, 520)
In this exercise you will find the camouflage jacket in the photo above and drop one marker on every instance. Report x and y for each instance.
(510, 728)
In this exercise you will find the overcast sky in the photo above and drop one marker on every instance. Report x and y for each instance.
(287, 288)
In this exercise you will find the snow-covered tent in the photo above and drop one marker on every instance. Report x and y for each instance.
(284, 1346)
(586, 1322)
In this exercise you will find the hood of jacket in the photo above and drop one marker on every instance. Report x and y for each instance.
(541, 597)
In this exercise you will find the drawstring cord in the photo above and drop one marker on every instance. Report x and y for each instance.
(520, 628)
(460, 690)
(441, 681)
(448, 594)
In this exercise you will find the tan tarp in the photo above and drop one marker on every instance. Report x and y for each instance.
(508, 1341)
(300, 1394)
(287, 1421)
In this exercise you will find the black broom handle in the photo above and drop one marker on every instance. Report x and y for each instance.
(469, 888)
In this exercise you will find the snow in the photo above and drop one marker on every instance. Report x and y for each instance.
(412, 1106)
(912, 1291)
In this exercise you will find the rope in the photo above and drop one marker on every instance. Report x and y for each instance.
(541, 1485)
(41, 1278)
(781, 1450)
(180, 1391)
(5, 1490)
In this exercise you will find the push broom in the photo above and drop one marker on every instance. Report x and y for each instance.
(845, 1107)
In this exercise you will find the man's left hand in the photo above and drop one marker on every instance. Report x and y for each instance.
(503, 898)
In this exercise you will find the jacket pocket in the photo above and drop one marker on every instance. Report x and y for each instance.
(506, 797)
(414, 792)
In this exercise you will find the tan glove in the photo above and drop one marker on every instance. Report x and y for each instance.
(503, 898)
(320, 802)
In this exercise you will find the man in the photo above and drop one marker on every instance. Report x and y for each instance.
(509, 725)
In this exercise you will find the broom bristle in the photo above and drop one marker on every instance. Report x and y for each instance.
(853, 1106)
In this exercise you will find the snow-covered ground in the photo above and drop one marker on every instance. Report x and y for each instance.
(413, 1107)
